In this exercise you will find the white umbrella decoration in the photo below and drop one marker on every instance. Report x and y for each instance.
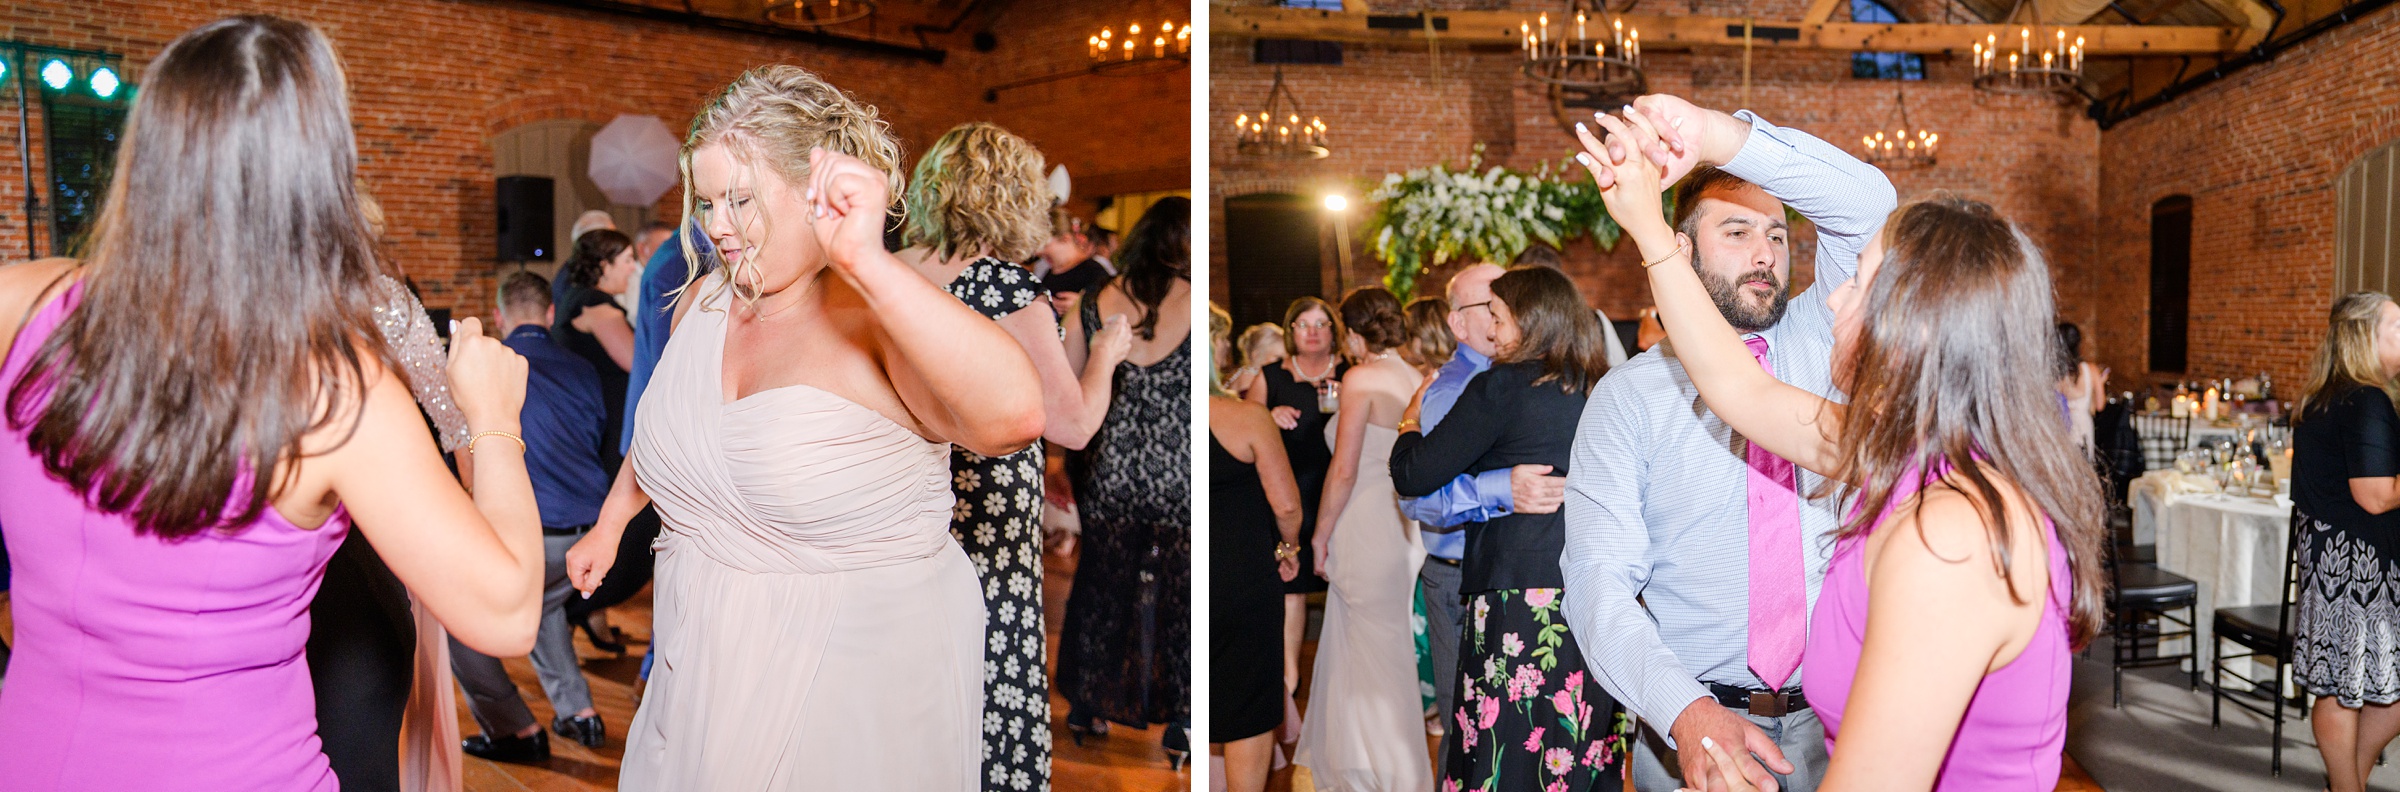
(633, 160)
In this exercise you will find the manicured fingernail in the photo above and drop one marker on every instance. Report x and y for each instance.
(1708, 742)
(1676, 123)
(1579, 129)
(588, 595)
(1629, 109)
(1586, 159)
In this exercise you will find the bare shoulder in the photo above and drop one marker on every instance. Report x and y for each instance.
(1237, 419)
(1945, 530)
(21, 283)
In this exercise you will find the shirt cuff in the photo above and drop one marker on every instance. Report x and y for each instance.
(1698, 692)
(1763, 155)
(1492, 492)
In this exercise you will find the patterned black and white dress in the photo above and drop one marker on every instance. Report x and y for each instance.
(998, 519)
(2346, 624)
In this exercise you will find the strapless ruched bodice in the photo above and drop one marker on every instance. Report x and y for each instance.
(824, 484)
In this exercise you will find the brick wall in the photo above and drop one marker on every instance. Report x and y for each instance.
(2258, 152)
(432, 80)
(2036, 160)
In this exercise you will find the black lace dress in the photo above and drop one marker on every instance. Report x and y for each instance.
(1125, 650)
(998, 519)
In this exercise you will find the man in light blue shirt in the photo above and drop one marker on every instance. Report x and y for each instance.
(1657, 560)
(1471, 497)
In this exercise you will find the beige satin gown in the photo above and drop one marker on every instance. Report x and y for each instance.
(816, 626)
(1365, 730)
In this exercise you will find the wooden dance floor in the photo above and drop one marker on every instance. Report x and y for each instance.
(1125, 761)
(1293, 778)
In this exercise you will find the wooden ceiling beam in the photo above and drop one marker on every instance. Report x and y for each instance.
(1676, 32)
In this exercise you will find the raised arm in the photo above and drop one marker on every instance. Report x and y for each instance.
(476, 563)
(955, 370)
(1790, 422)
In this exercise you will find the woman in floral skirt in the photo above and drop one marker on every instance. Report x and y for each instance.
(1528, 715)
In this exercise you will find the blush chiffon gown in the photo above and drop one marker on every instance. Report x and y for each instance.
(817, 627)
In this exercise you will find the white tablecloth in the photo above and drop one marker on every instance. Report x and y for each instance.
(2232, 546)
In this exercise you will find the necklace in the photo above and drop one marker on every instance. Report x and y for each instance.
(1305, 377)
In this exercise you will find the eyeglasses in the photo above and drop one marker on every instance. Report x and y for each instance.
(1486, 305)
(1312, 326)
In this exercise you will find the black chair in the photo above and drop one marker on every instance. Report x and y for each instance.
(2259, 631)
(2142, 610)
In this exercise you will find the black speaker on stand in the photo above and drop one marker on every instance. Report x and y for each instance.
(528, 225)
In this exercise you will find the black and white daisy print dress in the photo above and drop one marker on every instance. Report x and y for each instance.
(998, 519)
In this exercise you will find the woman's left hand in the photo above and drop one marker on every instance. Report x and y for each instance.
(1416, 406)
(1634, 184)
(848, 198)
(1728, 772)
(1322, 548)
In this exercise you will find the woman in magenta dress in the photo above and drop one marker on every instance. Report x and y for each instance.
(1938, 656)
(196, 415)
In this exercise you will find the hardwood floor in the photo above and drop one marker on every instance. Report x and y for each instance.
(1127, 760)
(1293, 778)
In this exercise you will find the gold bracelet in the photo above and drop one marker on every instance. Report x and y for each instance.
(1662, 259)
(1407, 426)
(480, 435)
(1286, 550)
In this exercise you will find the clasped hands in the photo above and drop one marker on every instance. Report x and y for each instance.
(1670, 136)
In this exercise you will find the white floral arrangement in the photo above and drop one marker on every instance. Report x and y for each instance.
(1429, 216)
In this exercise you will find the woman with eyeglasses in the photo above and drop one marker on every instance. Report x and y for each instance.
(1300, 394)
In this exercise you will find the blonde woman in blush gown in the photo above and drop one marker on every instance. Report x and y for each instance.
(817, 627)
(1365, 730)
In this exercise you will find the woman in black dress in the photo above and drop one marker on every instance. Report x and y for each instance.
(1529, 715)
(1124, 651)
(589, 324)
(977, 202)
(2345, 488)
(1299, 393)
(1253, 547)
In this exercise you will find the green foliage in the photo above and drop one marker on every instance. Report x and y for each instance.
(1430, 216)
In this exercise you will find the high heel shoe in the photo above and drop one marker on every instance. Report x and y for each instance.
(1177, 742)
(1081, 725)
(615, 647)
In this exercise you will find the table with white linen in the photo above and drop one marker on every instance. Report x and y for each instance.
(2232, 546)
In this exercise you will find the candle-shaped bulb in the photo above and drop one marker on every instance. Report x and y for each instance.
(1105, 34)
(1133, 31)
(1579, 27)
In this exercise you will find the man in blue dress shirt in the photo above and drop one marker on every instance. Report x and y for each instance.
(1470, 497)
(563, 422)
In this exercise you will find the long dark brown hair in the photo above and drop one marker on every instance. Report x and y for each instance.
(1934, 382)
(227, 302)
(1554, 327)
(1156, 252)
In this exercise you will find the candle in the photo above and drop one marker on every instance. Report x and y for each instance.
(1545, 29)
(2181, 408)
(1633, 40)
(1579, 29)
(2208, 404)
(1158, 47)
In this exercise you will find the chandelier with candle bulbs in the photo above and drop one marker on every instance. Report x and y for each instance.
(1905, 148)
(1277, 130)
(1136, 45)
(1586, 58)
(2037, 60)
(818, 13)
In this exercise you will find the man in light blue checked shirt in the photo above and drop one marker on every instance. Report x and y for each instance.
(1657, 517)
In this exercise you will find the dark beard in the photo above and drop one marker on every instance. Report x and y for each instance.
(1728, 295)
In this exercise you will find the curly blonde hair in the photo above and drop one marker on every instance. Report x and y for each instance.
(979, 187)
(773, 115)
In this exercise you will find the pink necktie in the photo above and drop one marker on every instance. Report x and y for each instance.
(1778, 594)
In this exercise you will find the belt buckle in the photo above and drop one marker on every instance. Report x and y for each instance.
(1770, 705)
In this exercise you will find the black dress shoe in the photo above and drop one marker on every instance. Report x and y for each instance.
(519, 750)
(587, 730)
